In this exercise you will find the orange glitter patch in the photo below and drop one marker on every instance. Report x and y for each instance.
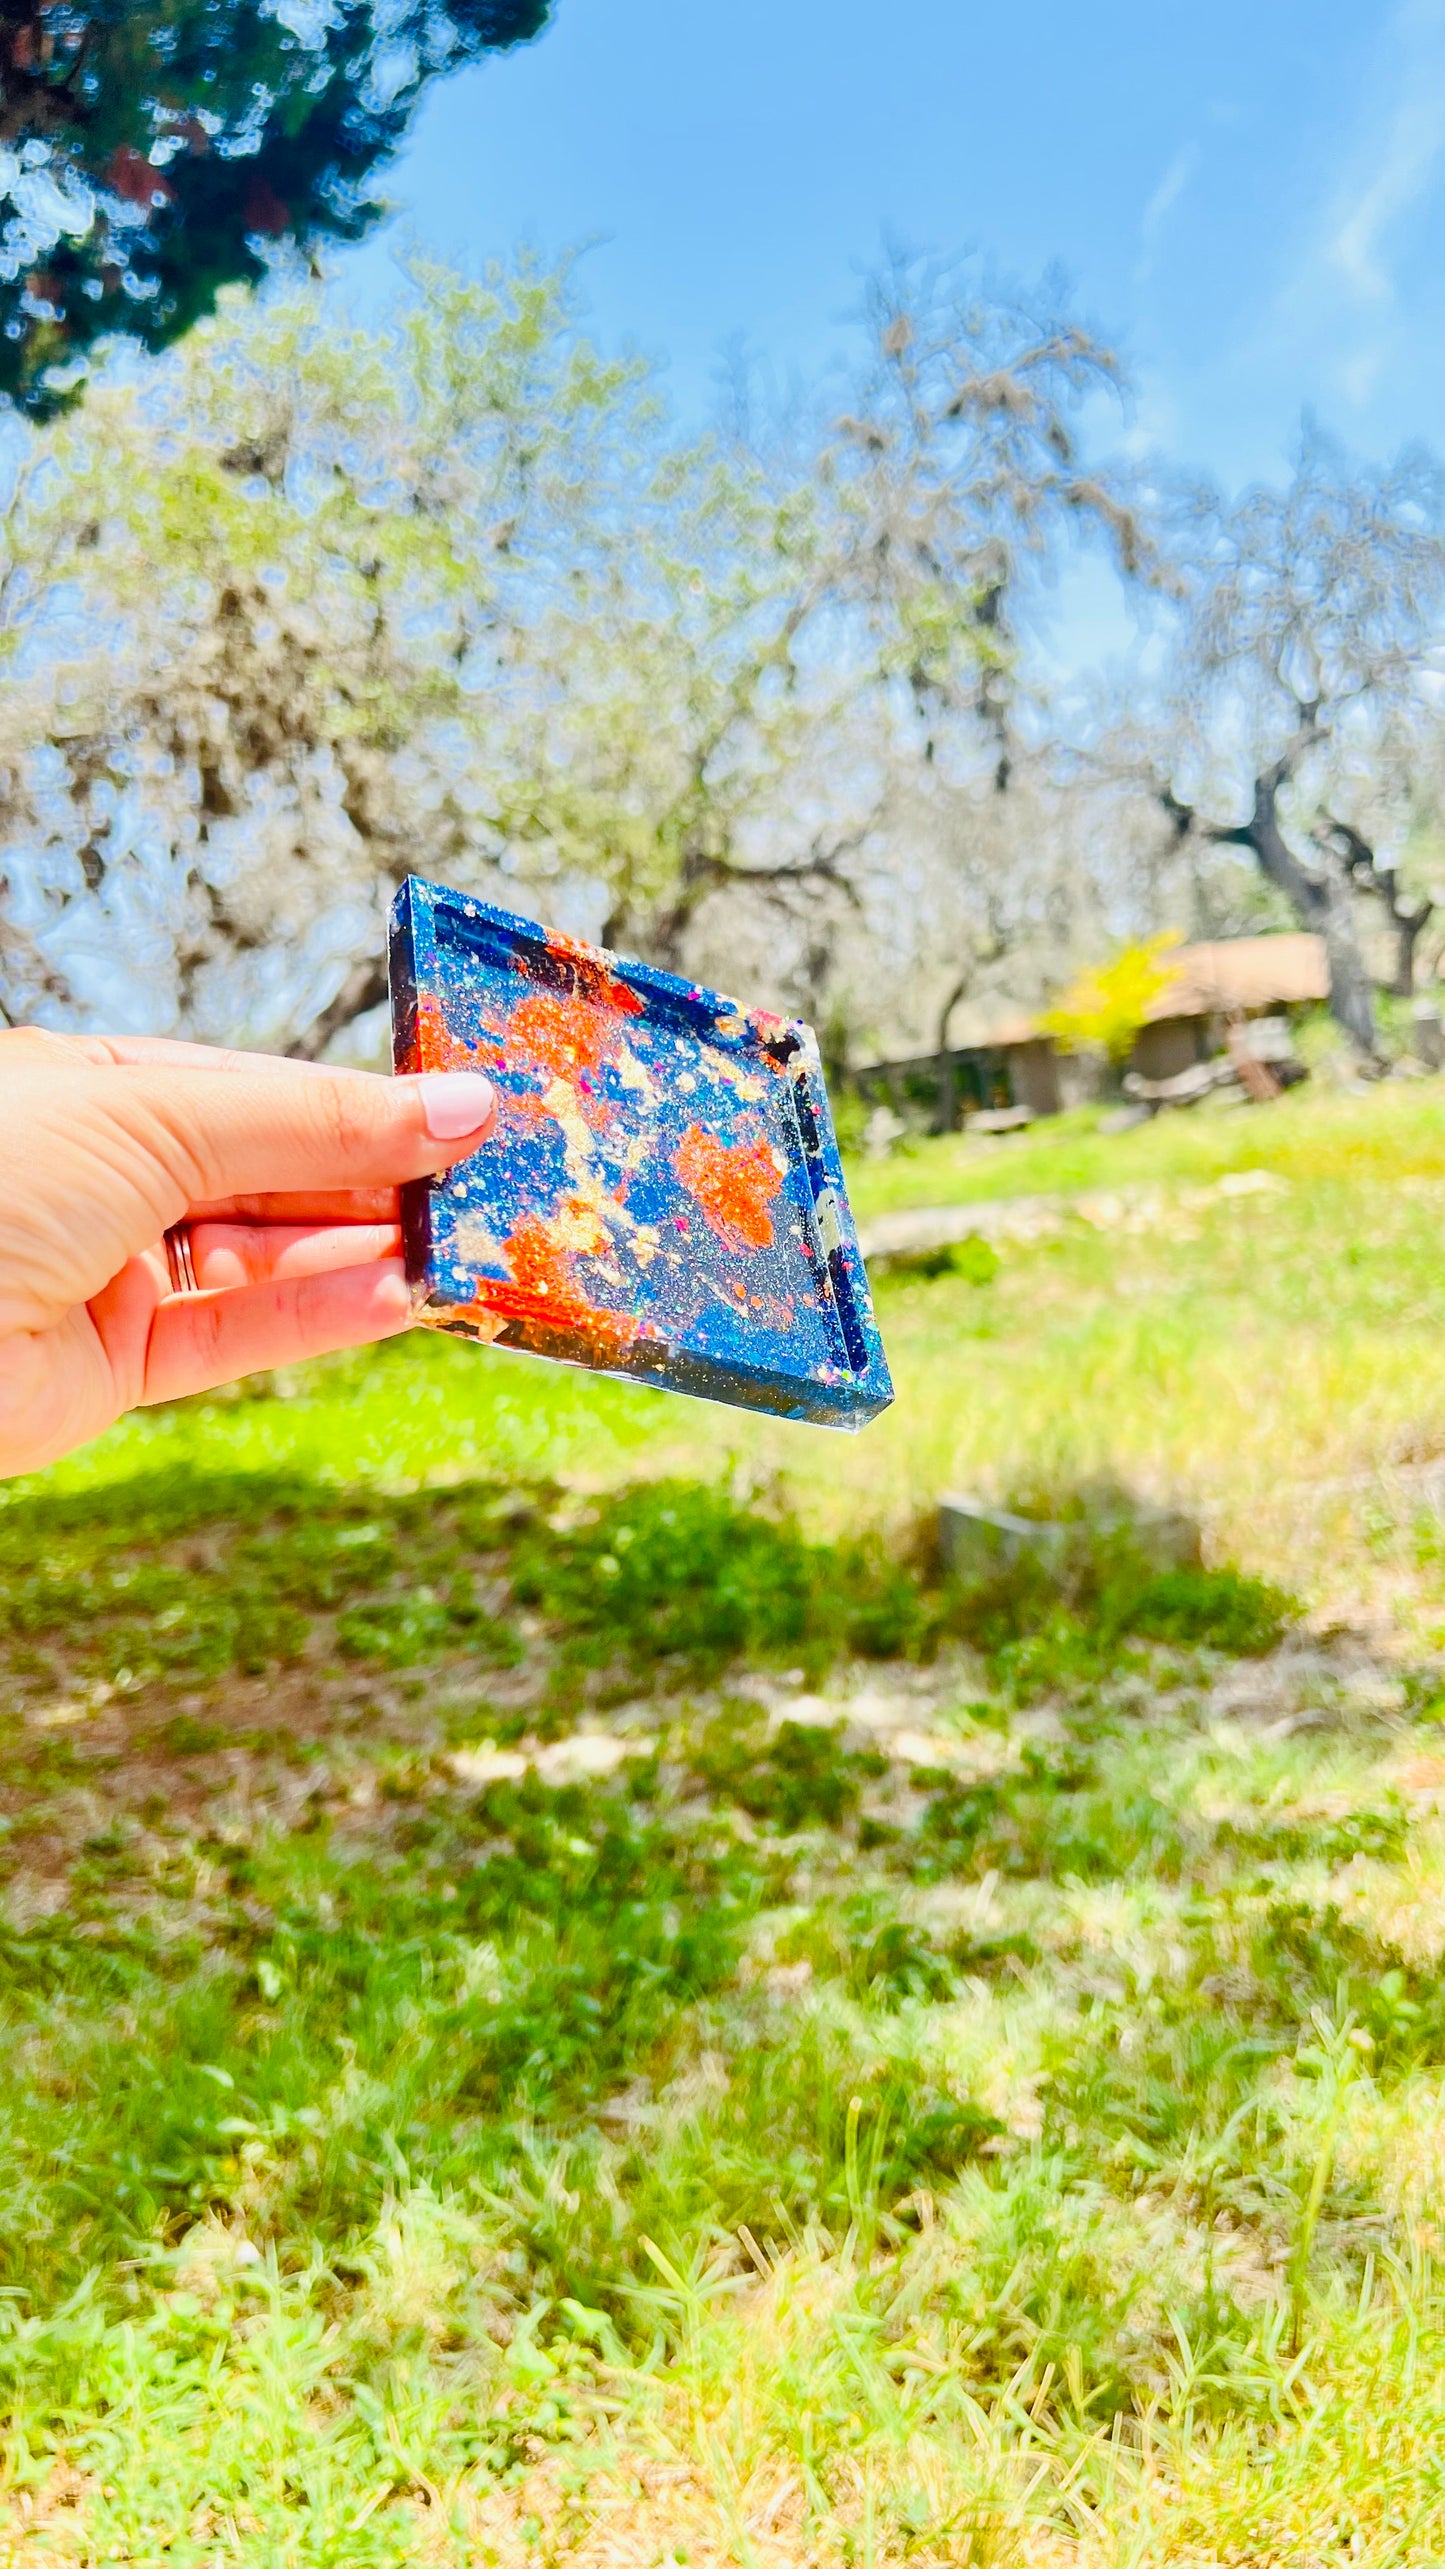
(570, 1033)
(435, 1047)
(544, 1288)
(569, 1036)
(541, 1249)
(597, 1329)
(733, 1182)
(565, 1035)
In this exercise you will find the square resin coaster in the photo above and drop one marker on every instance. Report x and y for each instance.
(663, 1196)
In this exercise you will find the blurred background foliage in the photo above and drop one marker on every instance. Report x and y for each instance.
(308, 604)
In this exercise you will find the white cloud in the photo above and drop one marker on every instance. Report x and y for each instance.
(1339, 306)
(1161, 204)
(1169, 190)
(1398, 168)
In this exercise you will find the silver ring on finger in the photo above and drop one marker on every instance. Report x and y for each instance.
(180, 1264)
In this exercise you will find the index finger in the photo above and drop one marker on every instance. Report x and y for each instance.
(335, 1204)
(105, 1159)
(292, 1131)
(150, 1051)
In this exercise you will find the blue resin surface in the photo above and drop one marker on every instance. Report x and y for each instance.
(663, 1198)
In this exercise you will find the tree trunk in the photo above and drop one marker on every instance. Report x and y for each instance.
(661, 938)
(1322, 898)
(1409, 927)
(1352, 1000)
(365, 987)
(1342, 839)
(945, 1118)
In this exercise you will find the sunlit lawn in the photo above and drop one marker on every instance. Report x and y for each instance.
(563, 2001)
(1264, 1357)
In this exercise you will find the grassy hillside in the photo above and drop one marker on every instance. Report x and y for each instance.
(566, 2000)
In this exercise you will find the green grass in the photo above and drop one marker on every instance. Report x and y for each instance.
(1310, 1135)
(565, 1999)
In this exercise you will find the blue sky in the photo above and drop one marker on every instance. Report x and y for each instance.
(1249, 197)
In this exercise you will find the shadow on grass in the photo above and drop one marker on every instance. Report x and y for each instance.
(686, 2000)
(187, 1576)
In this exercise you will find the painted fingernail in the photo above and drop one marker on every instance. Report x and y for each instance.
(454, 1102)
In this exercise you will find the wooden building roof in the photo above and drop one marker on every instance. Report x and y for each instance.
(1244, 974)
(1247, 973)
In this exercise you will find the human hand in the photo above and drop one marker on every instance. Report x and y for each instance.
(286, 1175)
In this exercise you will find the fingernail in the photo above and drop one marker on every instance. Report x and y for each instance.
(454, 1102)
